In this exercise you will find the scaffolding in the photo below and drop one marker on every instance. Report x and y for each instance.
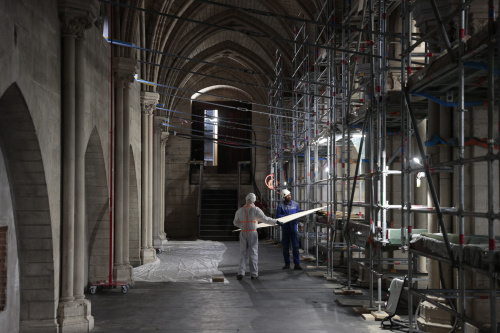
(366, 98)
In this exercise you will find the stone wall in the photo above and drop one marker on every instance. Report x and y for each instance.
(9, 264)
(30, 57)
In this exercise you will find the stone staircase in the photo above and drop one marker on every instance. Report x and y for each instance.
(219, 202)
(218, 207)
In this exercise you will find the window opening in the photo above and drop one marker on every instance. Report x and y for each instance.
(211, 132)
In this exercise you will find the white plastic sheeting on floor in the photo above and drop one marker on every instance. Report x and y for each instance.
(184, 261)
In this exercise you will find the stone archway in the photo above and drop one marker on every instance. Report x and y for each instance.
(97, 208)
(31, 212)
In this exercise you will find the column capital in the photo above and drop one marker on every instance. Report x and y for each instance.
(124, 70)
(77, 16)
(158, 125)
(164, 138)
(149, 101)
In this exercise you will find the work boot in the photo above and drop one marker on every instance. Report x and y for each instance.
(287, 266)
(239, 276)
(297, 267)
(254, 278)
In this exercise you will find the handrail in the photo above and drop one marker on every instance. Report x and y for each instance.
(200, 191)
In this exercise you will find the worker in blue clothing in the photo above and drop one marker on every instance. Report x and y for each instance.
(289, 233)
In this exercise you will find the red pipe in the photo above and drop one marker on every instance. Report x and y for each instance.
(111, 173)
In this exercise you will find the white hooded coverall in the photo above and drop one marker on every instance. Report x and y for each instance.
(246, 218)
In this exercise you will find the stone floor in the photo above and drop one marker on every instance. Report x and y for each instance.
(279, 301)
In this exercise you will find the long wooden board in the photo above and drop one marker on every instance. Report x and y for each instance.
(288, 218)
(292, 217)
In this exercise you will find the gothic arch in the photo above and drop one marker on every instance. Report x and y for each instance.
(134, 220)
(30, 202)
(97, 208)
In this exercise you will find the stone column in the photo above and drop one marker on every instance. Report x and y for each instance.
(158, 233)
(68, 146)
(124, 70)
(118, 147)
(148, 104)
(150, 181)
(126, 175)
(164, 139)
(73, 310)
(78, 287)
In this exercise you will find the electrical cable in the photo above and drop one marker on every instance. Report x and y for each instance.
(226, 121)
(242, 31)
(218, 124)
(205, 132)
(227, 106)
(298, 19)
(244, 82)
(224, 143)
(213, 95)
(245, 70)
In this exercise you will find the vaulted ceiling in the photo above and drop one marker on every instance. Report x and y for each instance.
(189, 45)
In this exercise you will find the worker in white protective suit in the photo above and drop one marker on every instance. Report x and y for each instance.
(247, 218)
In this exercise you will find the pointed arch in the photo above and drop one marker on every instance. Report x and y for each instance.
(31, 211)
(97, 207)
(134, 220)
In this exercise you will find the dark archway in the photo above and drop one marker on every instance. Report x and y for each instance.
(97, 207)
(134, 221)
(30, 202)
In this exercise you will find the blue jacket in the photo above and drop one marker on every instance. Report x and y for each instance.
(284, 210)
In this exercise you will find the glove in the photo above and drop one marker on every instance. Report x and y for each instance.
(279, 223)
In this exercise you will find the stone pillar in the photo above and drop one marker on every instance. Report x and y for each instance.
(124, 70)
(126, 175)
(148, 104)
(150, 180)
(74, 312)
(68, 146)
(164, 139)
(118, 191)
(158, 229)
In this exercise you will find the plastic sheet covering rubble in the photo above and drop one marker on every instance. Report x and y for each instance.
(184, 261)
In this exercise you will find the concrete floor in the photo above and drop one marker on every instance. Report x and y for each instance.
(280, 301)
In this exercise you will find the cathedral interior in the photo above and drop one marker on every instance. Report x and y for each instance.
(132, 130)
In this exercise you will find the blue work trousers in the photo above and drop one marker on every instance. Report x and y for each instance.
(287, 237)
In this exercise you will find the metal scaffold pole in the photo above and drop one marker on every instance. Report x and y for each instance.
(402, 74)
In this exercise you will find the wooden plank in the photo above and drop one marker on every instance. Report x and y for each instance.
(292, 217)
(217, 279)
(360, 310)
(379, 315)
(288, 218)
(367, 316)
